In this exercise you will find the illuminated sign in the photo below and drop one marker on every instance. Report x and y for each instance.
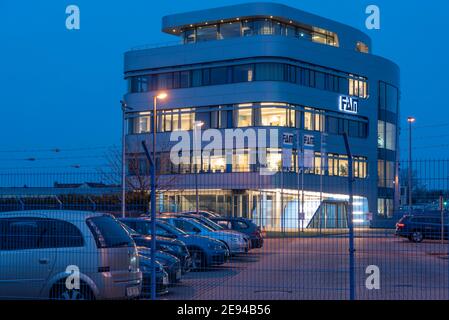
(348, 104)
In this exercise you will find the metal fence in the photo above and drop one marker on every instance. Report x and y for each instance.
(48, 245)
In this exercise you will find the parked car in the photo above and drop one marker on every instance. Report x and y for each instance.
(419, 227)
(165, 244)
(211, 224)
(204, 213)
(204, 251)
(243, 225)
(162, 278)
(169, 262)
(234, 243)
(40, 249)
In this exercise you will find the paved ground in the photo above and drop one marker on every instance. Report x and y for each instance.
(317, 268)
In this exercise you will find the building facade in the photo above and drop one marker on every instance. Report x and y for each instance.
(276, 74)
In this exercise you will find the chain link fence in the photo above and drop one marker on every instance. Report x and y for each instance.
(220, 237)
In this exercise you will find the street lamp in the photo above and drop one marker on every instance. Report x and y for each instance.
(124, 107)
(198, 125)
(410, 121)
(159, 96)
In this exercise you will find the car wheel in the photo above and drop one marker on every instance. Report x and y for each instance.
(417, 236)
(61, 292)
(198, 259)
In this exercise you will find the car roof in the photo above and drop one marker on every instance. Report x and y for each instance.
(67, 215)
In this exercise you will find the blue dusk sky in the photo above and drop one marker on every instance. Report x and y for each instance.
(61, 89)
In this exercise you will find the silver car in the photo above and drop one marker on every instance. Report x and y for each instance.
(66, 255)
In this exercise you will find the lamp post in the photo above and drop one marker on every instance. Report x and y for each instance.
(160, 96)
(197, 148)
(124, 108)
(410, 121)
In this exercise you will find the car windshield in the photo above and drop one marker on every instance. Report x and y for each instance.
(128, 229)
(211, 224)
(200, 225)
(171, 228)
(108, 232)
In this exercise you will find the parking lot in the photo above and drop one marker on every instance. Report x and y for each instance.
(317, 268)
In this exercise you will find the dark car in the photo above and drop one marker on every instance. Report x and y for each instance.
(162, 280)
(165, 244)
(419, 227)
(204, 251)
(169, 262)
(242, 225)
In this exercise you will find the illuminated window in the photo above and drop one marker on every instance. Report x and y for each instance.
(358, 88)
(187, 119)
(244, 117)
(214, 163)
(308, 120)
(273, 117)
(240, 161)
(362, 47)
(143, 124)
(274, 160)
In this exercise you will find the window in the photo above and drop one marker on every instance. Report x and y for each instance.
(358, 88)
(308, 120)
(269, 72)
(187, 119)
(229, 30)
(189, 36)
(263, 27)
(390, 142)
(108, 232)
(273, 117)
(165, 81)
(244, 117)
(247, 28)
(381, 134)
(264, 71)
(184, 79)
(19, 234)
(290, 31)
(243, 73)
(206, 33)
(197, 78)
(274, 160)
(214, 163)
(143, 124)
(241, 161)
(362, 47)
(218, 76)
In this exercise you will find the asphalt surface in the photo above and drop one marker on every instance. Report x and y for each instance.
(318, 269)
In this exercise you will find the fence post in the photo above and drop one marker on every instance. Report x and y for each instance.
(350, 222)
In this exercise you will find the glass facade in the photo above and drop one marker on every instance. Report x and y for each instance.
(387, 139)
(247, 160)
(270, 114)
(257, 27)
(303, 75)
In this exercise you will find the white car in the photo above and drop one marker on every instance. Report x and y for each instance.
(66, 255)
(234, 242)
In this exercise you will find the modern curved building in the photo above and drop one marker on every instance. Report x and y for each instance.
(283, 76)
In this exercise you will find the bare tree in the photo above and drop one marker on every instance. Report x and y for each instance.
(138, 176)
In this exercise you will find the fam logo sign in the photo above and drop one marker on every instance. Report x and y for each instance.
(348, 104)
